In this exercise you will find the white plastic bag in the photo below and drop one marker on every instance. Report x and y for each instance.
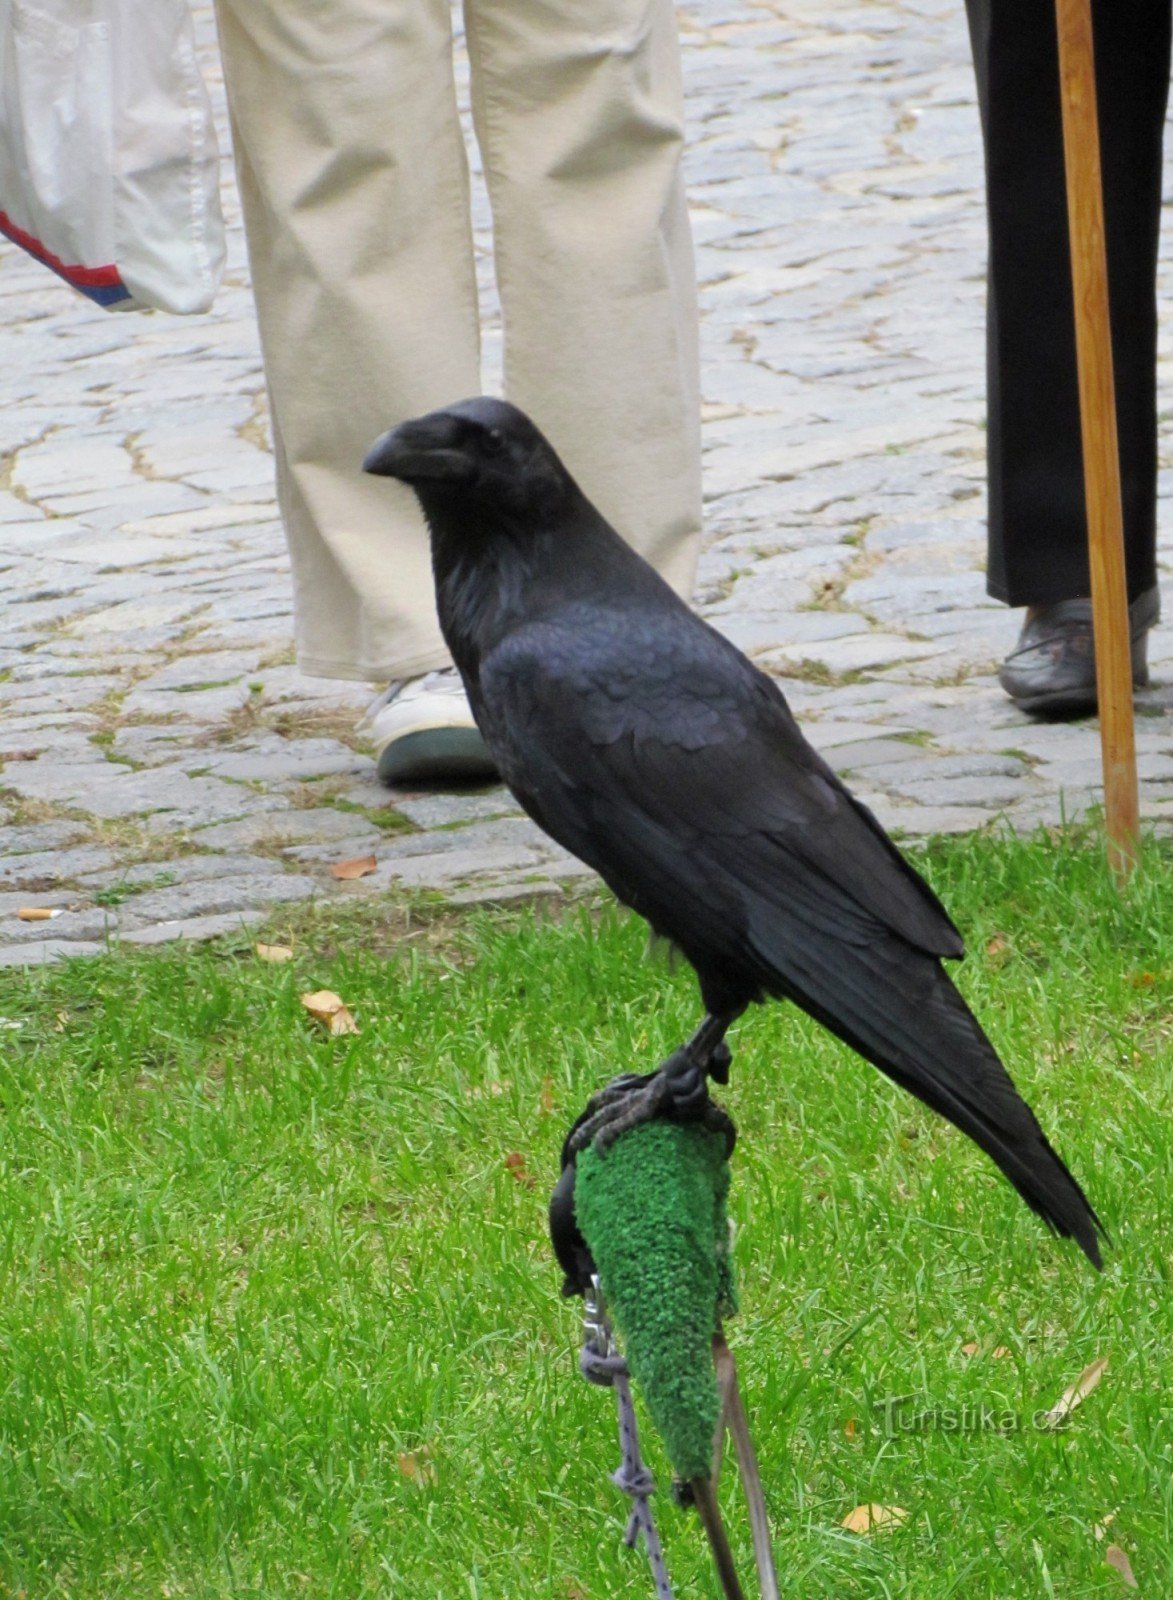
(109, 167)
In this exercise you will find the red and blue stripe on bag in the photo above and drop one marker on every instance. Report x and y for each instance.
(100, 284)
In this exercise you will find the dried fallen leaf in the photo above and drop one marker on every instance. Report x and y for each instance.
(39, 913)
(274, 952)
(996, 945)
(357, 868)
(849, 1427)
(1076, 1394)
(1116, 1559)
(326, 1008)
(970, 1348)
(495, 1087)
(547, 1096)
(414, 1464)
(1101, 1528)
(1000, 1352)
(874, 1518)
(516, 1167)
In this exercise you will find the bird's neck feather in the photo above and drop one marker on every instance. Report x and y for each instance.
(493, 573)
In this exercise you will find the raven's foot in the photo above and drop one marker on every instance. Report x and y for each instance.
(678, 1092)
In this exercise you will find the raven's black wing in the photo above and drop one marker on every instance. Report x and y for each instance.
(652, 749)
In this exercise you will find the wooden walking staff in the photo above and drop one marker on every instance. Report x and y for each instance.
(1097, 410)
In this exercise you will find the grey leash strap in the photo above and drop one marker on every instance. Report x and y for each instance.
(601, 1363)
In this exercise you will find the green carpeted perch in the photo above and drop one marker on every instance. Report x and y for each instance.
(652, 1212)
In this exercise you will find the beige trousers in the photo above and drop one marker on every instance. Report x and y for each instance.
(356, 202)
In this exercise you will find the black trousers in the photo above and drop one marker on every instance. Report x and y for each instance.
(1037, 529)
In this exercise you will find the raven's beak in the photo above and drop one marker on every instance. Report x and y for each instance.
(427, 448)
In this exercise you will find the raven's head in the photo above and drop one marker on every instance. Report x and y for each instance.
(479, 455)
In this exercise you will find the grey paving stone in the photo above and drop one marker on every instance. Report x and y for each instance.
(854, 651)
(183, 869)
(277, 760)
(831, 734)
(991, 793)
(441, 870)
(40, 696)
(33, 838)
(164, 797)
(205, 896)
(503, 833)
(65, 866)
(12, 900)
(923, 767)
(159, 744)
(759, 632)
(285, 685)
(505, 890)
(922, 820)
(274, 827)
(78, 922)
(447, 810)
(42, 951)
(133, 616)
(210, 669)
(210, 927)
(369, 793)
(202, 706)
(324, 854)
(873, 753)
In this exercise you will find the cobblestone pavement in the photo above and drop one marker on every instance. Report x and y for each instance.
(166, 769)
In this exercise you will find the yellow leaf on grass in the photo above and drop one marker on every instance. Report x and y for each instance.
(1000, 1352)
(971, 1348)
(874, 1518)
(39, 913)
(849, 1427)
(326, 1007)
(414, 1465)
(1116, 1559)
(353, 869)
(1076, 1394)
(495, 1087)
(274, 952)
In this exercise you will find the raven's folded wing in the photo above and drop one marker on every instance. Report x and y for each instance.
(659, 738)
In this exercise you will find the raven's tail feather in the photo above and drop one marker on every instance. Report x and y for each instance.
(899, 1009)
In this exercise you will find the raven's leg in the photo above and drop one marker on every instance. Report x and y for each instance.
(678, 1090)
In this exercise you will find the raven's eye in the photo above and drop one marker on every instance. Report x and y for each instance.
(494, 442)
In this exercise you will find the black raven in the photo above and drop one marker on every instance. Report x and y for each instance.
(646, 744)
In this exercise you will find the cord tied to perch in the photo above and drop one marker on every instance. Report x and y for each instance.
(601, 1363)
(642, 1222)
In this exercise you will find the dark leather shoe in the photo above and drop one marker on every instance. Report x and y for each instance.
(1052, 669)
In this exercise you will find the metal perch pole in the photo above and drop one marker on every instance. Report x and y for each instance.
(1101, 451)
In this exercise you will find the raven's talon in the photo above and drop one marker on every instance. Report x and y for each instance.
(679, 1091)
(719, 1063)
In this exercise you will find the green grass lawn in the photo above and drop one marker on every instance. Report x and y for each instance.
(278, 1318)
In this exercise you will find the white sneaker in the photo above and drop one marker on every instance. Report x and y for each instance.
(423, 730)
